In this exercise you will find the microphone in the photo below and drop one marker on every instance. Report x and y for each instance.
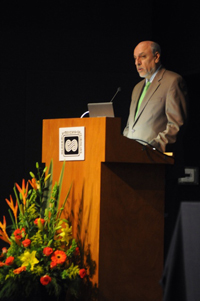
(118, 90)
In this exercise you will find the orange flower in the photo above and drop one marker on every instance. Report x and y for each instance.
(34, 184)
(9, 260)
(13, 208)
(1, 264)
(45, 279)
(59, 257)
(19, 270)
(3, 234)
(23, 190)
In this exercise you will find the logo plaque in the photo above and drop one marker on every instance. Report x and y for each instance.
(72, 144)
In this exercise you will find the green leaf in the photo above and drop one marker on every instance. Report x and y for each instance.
(60, 183)
(63, 206)
(47, 189)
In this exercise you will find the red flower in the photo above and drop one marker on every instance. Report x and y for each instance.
(1, 264)
(59, 257)
(77, 251)
(19, 233)
(19, 270)
(82, 273)
(53, 264)
(47, 251)
(45, 279)
(23, 232)
(41, 220)
(9, 260)
(26, 242)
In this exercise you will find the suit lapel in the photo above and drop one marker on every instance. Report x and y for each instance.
(150, 92)
(137, 96)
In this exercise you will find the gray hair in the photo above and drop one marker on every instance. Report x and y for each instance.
(155, 47)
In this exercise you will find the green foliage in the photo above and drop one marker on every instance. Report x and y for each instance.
(29, 215)
(37, 240)
(71, 272)
(42, 254)
(72, 250)
(54, 288)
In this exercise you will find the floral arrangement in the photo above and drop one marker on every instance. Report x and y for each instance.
(42, 255)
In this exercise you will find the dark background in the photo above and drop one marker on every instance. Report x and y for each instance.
(56, 56)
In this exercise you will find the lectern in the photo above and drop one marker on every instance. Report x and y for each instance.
(117, 200)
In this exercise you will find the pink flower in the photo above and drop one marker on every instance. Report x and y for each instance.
(46, 279)
(26, 242)
(47, 251)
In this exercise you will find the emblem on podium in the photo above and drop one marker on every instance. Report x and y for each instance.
(72, 144)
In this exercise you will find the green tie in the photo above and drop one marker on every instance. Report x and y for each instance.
(142, 96)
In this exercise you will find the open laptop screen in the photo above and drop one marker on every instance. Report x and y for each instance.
(101, 109)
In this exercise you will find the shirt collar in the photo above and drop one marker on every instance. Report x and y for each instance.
(153, 76)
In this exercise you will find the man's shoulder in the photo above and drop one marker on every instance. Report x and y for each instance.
(168, 74)
(170, 78)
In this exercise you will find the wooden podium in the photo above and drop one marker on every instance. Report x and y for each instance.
(117, 200)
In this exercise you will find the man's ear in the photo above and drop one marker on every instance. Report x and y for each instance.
(157, 57)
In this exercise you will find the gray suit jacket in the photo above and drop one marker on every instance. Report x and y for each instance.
(162, 112)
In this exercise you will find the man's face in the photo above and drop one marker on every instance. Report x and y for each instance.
(146, 63)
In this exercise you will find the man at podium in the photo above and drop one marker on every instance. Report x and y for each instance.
(158, 103)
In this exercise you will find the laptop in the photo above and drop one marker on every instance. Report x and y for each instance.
(101, 109)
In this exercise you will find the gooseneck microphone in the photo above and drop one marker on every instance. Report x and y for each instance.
(118, 90)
